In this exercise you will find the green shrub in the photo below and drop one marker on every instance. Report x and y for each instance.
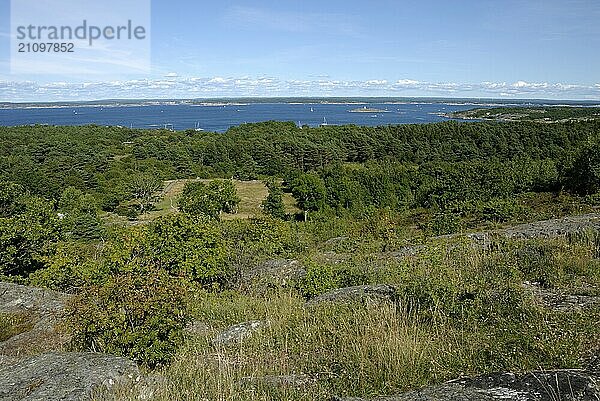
(318, 280)
(131, 211)
(593, 200)
(140, 315)
(500, 210)
(445, 223)
(71, 267)
(184, 246)
(187, 247)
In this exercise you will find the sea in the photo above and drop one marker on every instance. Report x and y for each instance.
(218, 116)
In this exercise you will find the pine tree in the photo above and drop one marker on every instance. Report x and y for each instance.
(273, 204)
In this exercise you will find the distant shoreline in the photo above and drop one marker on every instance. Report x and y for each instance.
(308, 101)
(368, 110)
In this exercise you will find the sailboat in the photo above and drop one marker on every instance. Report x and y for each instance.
(197, 127)
(324, 124)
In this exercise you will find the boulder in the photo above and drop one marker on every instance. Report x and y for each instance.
(280, 272)
(363, 293)
(571, 385)
(64, 376)
(17, 298)
(559, 301)
(238, 332)
(292, 380)
(44, 310)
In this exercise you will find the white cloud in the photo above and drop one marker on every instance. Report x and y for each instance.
(407, 82)
(171, 75)
(376, 82)
(197, 87)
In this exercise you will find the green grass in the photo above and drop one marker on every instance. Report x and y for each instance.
(12, 324)
(462, 311)
(251, 193)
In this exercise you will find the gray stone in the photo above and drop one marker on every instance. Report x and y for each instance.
(279, 272)
(561, 302)
(17, 298)
(197, 327)
(238, 332)
(568, 385)
(545, 229)
(292, 380)
(44, 309)
(64, 376)
(336, 240)
(362, 293)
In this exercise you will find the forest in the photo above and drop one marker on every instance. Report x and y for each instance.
(90, 211)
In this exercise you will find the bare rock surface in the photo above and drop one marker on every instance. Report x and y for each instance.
(31, 366)
(567, 385)
(239, 332)
(292, 380)
(546, 229)
(555, 228)
(362, 293)
(17, 298)
(43, 308)
(280, 272)
(561, 302)
(64, 376)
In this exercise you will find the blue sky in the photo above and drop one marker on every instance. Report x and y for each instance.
(467, 48)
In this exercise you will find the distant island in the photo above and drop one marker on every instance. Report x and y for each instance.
(536, 114)
(366, 109)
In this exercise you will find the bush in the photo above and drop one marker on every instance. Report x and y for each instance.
(131, 211)
(70, 268)
(139, 315)
(444, 223)
(500, 210)
(199, 199)
(187, 247)
(318, 280)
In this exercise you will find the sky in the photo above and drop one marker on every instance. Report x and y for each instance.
(546, 49)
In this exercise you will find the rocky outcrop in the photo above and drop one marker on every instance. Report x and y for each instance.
(546, 229)
(559, 301)
(292, 380)
(370, 294)
(281, 273)
(44, 310)
(567, 385)
(238, 332)
(17, 298)
(65, 376)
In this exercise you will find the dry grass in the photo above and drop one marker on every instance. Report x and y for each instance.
(331, 348)
(430, 335)
(251, 193)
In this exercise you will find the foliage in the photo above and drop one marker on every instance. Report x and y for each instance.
(444, 223)
(500, 210)
(309, 191)
(143, 187)
(318, 280)
(27, 236)
(273, 204)
(186, 247)
(79, 214)
(585, 173)
(140, 314)
(209, 200)
(71, 267)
